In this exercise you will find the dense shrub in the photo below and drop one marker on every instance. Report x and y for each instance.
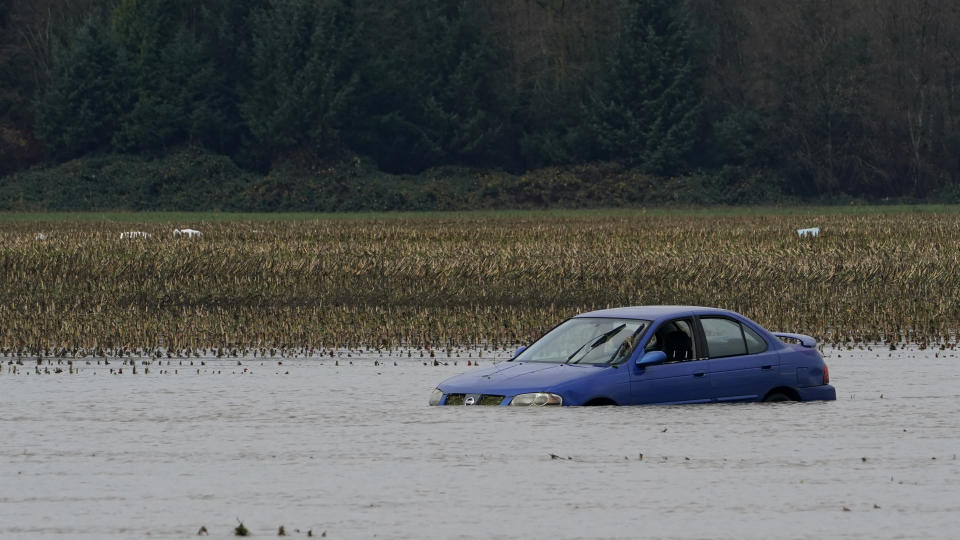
(193, 179)
(187, 179)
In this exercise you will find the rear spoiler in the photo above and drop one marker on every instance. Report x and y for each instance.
(804, 340)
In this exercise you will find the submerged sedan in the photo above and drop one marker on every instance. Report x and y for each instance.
(646, 355)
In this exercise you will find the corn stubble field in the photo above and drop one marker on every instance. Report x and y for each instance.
(303, 287)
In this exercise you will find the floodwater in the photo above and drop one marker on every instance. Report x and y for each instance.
(355, 452)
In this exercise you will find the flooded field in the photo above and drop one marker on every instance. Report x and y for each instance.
(353, 451)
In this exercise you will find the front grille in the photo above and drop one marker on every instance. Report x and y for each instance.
(479, 399)
(486, 399)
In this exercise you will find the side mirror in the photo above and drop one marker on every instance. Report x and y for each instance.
(520, 350)
(652, 358)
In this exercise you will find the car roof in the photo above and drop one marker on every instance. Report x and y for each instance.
(653, 313)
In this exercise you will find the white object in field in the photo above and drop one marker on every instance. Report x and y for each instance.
(135, 234)
(40, 236)
(812, 231)
(189, 233)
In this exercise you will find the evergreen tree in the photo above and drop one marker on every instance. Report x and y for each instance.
(459, 106)
(86, 96)
(302, 66)
(429, 97)
(174, 81)
(646, 110)
(226, 25)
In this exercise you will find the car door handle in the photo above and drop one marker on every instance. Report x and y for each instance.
(700, 374)
(766, 367)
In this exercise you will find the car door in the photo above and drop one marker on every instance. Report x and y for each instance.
(683, 378)
(742, 366)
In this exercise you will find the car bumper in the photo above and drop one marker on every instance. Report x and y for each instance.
(824, 392)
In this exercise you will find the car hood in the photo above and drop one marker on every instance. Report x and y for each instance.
(510, 378)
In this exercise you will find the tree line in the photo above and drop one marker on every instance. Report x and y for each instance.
(815, 97)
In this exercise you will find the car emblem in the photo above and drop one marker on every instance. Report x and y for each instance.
(471, 400)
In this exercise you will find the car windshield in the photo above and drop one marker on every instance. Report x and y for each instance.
(587, 340)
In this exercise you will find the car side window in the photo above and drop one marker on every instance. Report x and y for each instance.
(755, 343)
(724, 337)
(675, 339)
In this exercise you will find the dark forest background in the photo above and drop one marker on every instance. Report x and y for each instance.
(409, 104)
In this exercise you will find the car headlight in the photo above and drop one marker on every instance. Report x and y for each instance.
(536, 399)
(436, 396)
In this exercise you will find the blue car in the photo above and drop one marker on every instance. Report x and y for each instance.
(649, 354)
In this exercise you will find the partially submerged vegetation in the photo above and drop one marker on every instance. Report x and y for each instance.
(446, 280)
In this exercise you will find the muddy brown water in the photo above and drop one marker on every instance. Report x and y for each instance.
(354, 451)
